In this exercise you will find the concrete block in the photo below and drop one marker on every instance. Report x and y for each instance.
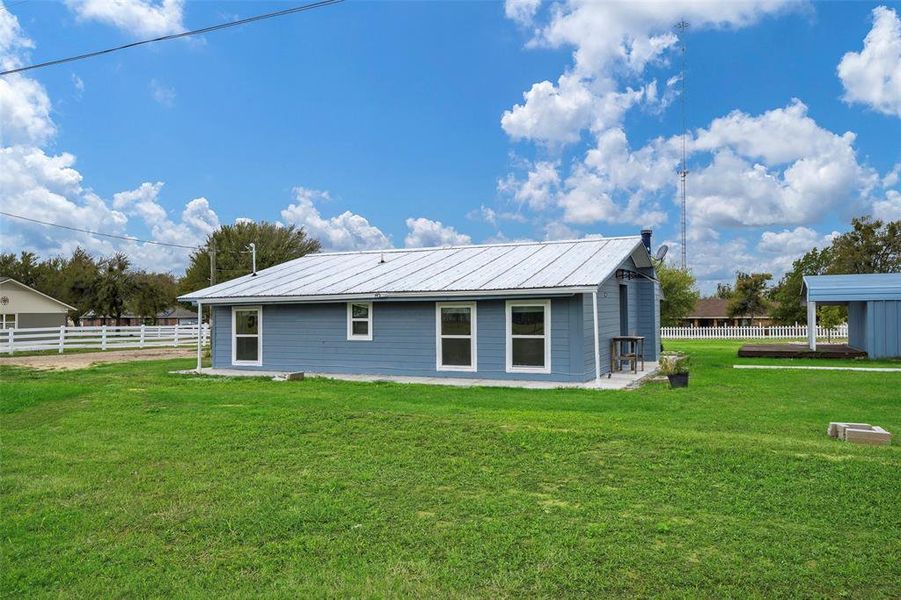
(837, 430)
(298, 376)
(870, 435)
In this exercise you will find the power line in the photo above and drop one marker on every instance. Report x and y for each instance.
(109, 235)
(280, 13)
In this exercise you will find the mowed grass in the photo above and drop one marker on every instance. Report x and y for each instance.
(124, 481)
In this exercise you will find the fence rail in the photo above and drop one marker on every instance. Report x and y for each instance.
(751, 332)
(101, 337)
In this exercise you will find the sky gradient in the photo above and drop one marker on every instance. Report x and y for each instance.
(377, 124)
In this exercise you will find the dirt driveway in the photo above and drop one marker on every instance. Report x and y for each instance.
(86, 359)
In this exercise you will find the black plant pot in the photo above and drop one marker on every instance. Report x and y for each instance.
(678, 380)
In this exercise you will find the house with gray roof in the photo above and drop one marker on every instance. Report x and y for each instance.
(542, 311)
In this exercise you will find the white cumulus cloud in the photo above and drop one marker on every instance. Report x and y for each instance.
(423, 233)
(139, 18)
(873, 75)
(347, 231)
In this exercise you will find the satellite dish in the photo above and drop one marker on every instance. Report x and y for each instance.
(661, 251)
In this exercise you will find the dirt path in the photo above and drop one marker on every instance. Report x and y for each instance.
(86, 359)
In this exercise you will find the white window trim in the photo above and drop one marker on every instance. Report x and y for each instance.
(473, 324)
(250, 363)
(547, 336)
(15, 317)
(350, 320)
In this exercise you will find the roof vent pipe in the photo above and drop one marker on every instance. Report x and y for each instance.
(646, 239)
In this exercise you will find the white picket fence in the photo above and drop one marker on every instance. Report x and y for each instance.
(750, 332)
(105, 337)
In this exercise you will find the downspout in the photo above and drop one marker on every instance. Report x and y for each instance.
(199, 333)
(597, 347)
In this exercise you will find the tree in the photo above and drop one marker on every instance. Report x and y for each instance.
(79, 277)
(749, 297)
(112, 287)
(23, 269)
(787, 294)
(723, 291)
(275, 244)
(679, 293)
(871, 246)
(152, 293)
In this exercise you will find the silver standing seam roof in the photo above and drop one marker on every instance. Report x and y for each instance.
(561, 267)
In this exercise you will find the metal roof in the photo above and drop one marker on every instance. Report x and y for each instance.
(487, 270)
(846, 288)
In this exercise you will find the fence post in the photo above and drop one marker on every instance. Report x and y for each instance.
(12, 341)
(62, 338)
(175, 342)
(142, 335)
(103, 337)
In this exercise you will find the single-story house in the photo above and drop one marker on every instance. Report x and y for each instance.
(714, 312)
(22, 307)
(874, 309)
(177, 315)
(526, 311)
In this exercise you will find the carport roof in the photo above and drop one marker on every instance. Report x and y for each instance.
(852, 288)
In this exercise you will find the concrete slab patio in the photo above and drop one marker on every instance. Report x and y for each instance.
(617, 381)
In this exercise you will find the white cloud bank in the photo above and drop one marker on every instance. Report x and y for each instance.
(139, 18)
(873, 75)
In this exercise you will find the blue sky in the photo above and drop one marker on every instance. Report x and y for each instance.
(383, 123)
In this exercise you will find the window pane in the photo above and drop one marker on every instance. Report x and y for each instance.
(456, 352)
(360, 328)
(246, 348)
(528, 352)
(455, 321)
(246, 321)
(527, 320)
(359, 311)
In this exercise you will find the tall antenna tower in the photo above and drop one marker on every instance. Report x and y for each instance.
(682, 26)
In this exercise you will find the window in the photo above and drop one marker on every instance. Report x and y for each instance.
(247, 335)
(8, 321)
(359, 320)
(529, 336)
(456, 335)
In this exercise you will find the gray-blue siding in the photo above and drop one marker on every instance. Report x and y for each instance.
(883, 328)
(313, 337)
(875, 326)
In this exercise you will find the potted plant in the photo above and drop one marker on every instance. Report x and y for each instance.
(675, 367)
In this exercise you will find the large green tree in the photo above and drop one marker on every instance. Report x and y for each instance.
(112, 287)
(679, 293)
(151, 293)
(274, 244)
(749, 297)
(872, 246)
(786, 295)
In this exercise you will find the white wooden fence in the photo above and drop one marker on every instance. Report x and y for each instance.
(750, 332)
(105, 337)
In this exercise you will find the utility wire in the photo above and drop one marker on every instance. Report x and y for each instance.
(280, 13)
(109, 235)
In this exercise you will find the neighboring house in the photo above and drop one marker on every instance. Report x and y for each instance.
(874, 309)
(714, 312)
(22, 306)
(170, 316)
(496, 311)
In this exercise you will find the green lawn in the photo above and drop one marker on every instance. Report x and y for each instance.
(126, 481)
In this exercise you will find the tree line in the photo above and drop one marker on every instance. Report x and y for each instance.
(871, 246)
(111, 286)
